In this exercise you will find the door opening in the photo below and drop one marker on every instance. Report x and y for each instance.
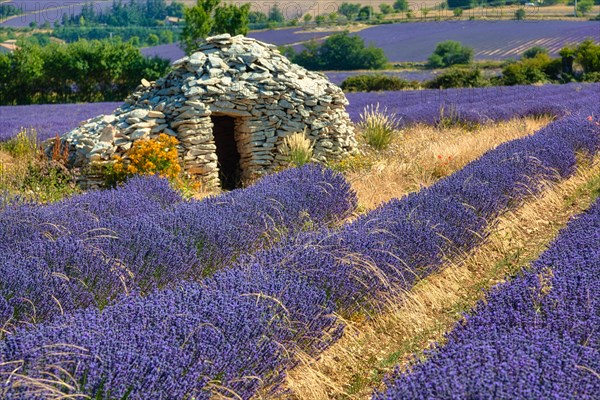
(227, 152)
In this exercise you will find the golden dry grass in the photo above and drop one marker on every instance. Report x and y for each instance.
(352, 367)
(420, 155)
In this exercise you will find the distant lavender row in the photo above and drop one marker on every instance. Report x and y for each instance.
(171, 51)
(477, 105)
(44, 11)
(238, 330)
(407, 238)
(93, 248)
(536, 337)
(280, 37)
(48, 119)
(415, 41)
(339, 77)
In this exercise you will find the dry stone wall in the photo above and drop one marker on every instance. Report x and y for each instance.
(268, 97)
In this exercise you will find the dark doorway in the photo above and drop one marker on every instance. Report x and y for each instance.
(227, 152)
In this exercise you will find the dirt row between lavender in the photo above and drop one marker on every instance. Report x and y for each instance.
(413, 321)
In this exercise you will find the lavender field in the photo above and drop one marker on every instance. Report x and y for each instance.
(277, 37)
(48, 11)
(415, 41)
(338, 77)
(48, 119)
(186, 308)
(534, 337)
(491, 40)
(477, 106)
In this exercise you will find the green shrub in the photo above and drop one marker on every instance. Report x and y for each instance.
(533, 52)
(587, 54)
(591, 77)
(520, 14)
(460, 4)
(376, 82)
(449, 53)
(457, 77)
(584, 6)
(48, 181)
(378, 127)
(340, 51)
(22, 145)
(530, 70)
(31, 174)
(401, 5)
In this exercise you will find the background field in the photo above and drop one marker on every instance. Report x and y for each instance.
(415, 41)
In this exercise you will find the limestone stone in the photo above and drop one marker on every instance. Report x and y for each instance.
(108, 134)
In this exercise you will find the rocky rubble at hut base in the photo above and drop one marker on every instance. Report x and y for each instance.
(266, 97)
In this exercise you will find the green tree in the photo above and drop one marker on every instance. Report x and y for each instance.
(232, 19)
(534, 51)
(587, 54)
(385, 9)
(365, 13)
(166, 36)
(153, 39)
(463, 4)
(401, 5)
(257, 17)
(520, 14)
(349, 10)
(209, 17)
(341, 51)
(585, 6)
(531, 70)
(449, 53)
(99, 70)
(198, 23)
(307, 18)
(458, 77)
(276, 15)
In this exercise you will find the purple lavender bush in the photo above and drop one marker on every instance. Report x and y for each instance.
(407, 239)
(233, 330)
(471, 106)
(94, 248)
(237, 330)
(477, 105)
(534, 337)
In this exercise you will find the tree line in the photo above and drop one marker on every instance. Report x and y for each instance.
(85, 71)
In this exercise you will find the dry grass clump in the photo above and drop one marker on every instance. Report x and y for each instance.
(412, 321)
(27, 172)
(378, 128)
(298, 148)
(420, 155)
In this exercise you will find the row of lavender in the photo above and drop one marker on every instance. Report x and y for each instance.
(92, 249)
(478, 105)
(238, 329)
(536, 337)
(415, 41)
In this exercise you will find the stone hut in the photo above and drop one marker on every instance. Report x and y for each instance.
(230, 105)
